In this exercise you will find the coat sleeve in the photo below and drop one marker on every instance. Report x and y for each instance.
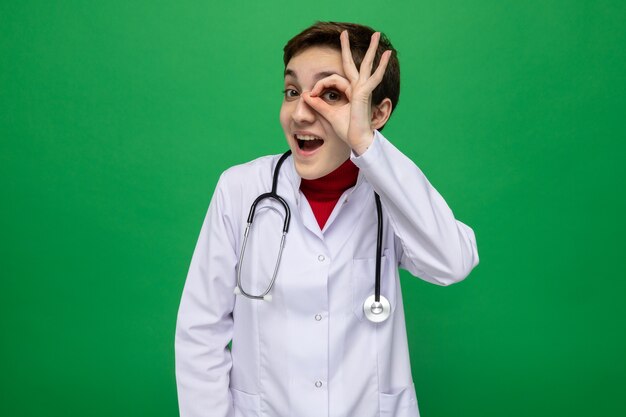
(433, 244)
(205, 321)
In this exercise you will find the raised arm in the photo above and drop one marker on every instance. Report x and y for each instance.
(434, 245)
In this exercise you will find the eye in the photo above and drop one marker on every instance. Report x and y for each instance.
(290, 94)
(332, 96)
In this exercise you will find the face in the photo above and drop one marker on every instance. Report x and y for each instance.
(315, 147)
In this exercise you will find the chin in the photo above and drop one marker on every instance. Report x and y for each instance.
(315, 171)
(309, 173)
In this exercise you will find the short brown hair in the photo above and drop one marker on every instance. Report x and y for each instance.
(327, 34)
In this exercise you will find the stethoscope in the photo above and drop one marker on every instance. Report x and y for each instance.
(376, 307)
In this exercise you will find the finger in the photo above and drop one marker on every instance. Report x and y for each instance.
(334, 81)
(346, 57)
(368, 60)
(378, 75)
(320, 106)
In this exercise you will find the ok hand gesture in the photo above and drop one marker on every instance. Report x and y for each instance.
(352, 122)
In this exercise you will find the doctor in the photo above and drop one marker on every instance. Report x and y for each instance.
(311, 351)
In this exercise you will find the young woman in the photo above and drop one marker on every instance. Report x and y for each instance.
(327, 337)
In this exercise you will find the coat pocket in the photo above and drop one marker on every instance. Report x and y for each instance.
(400, 404)
(245, 405)
(363, 282)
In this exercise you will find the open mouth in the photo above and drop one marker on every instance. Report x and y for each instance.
(308, 143)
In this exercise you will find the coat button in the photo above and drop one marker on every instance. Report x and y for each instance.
(318, 317)
(318, 384)
(321, 258)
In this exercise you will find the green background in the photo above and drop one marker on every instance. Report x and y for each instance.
(117, 117)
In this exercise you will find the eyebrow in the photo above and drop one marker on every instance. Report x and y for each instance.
(316, 77)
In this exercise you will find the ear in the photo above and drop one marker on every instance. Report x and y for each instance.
(381, 113)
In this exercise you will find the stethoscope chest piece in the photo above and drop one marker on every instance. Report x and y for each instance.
(376, 312)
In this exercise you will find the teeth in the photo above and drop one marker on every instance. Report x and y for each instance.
(307, 137)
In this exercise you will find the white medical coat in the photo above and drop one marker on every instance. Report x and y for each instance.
(310, 351)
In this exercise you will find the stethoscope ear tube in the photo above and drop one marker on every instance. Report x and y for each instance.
(272, 194)
(276, 197)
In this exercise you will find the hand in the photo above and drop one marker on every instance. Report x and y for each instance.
(351, 121)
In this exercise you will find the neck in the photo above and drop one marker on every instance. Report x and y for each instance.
(323, 193)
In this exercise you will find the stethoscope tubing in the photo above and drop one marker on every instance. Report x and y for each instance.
(376, 308)
(379, 246)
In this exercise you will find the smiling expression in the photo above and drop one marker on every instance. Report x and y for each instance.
(316, 148)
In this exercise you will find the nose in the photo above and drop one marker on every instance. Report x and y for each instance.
(303, 113)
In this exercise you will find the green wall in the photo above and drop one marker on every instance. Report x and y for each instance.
(117, 117)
